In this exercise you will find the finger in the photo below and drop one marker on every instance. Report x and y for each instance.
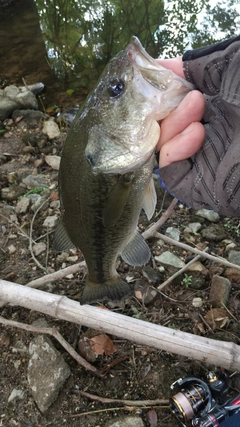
(174, 64)
(190, 110)
(183, 145)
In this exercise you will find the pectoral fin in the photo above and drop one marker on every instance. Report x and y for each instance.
(150, 200)
(62, 240)
(137, 251)
(117, 200)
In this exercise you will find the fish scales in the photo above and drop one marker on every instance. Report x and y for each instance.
(105, 176)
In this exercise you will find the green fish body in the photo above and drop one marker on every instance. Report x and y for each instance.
(105, 176)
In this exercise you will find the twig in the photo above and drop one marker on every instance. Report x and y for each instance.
(121, 401)
(153, 229)
(23, 233)
(127, 408)
(48, 278)
(54, 333)
(229, 312)
(170, 279)
(196, 251)
(30, 239)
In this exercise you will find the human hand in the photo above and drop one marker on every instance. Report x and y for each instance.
(182, 134)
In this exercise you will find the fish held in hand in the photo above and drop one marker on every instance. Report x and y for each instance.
(105, 176)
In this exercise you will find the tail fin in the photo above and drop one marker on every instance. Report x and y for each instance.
(114, 290)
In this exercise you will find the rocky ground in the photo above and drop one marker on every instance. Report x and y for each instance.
(30, 144)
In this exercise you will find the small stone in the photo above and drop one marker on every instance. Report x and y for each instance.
(53, 161)
(73, 258)
(50, 221)
(173, 233)
(12, 177)
(39, 202)
(214, 233)
(51, 129)
(12, 193)
(35, 181)
(11, 249)
(39, 248)
(195, 226)
(47, 372)
(144, 292)
(234, 257)
(170, 259)
(197, 266)
(7, 211)
(38, 163)
(232, 274)
(22, 205)
(230, 246)
(151, 274)
(55, 204)
(61, 258)
(208, 214)
(197, 302)
(127, 421)
(16, 394)
(220, 290)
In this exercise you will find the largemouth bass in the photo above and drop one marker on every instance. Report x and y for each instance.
(105, 176)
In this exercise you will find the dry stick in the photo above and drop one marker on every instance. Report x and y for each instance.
(122, 401)
(54, 333)
(196, 251)
(57, 275)
(30, 239)
(97, 411)
(219, 353)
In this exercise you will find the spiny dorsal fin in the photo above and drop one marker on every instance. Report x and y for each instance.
(150, 200)
(137, 251)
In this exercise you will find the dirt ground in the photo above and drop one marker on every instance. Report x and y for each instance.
(136, 372)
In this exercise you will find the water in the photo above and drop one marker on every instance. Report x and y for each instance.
(66, 44)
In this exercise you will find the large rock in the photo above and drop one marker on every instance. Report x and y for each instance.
(47, 372)
(13, 98)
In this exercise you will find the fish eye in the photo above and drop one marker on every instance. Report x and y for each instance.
(115, 87)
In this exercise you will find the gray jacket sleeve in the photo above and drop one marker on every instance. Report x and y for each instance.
(211, 178)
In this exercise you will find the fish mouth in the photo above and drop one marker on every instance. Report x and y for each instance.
(149, 68)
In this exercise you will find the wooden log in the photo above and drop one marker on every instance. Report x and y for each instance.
(219, 353)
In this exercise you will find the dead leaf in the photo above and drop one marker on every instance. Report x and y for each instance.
(217, 317)
(102, 344)
(152, 418)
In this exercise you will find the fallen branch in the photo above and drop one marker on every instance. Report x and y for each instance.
(122, 401)
(196, 251)
(219, 353)
(54, 333)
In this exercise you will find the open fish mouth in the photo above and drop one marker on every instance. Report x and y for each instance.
(149, 68)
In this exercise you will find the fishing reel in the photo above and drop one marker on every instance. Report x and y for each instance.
(203, 404)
